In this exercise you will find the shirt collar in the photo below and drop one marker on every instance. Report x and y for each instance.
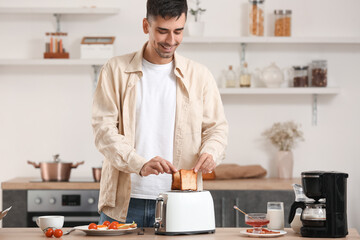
(136, 64)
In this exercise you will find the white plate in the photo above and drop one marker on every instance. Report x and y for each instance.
(104, 232)
(269, 235)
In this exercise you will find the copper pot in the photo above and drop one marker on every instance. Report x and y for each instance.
(56, 171)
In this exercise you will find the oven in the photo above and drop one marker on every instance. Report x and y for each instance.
(79, 207)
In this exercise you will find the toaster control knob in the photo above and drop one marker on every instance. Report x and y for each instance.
(157, 225)
(37, 200)
(91, 200)
(52, 200)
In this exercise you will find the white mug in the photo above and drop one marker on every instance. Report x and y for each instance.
(45, 222)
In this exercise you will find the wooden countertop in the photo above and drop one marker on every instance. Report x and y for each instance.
(235, 184)
(220, 234)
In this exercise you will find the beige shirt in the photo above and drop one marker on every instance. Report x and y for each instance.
(200, 124)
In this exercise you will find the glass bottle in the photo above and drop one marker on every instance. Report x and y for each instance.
(282, 23)
(245, 76)
(319, 73)
(231, 78)
(256, 17)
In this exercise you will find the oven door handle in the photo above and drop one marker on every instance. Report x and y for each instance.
(76, 218)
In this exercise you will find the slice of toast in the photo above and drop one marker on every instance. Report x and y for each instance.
(184, 180)
(175, 181)
(188, 180)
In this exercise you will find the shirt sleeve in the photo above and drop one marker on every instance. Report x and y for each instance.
(105, 122)
(214, 125)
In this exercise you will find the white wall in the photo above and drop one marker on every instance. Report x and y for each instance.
(46, 110)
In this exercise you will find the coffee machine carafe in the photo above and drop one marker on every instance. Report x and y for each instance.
(324, 209)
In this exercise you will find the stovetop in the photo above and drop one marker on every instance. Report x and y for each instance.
(72, 180)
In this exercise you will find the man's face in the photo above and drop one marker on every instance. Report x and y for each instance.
(165, 35)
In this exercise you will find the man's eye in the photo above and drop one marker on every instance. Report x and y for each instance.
(178, 32)
(162, 32)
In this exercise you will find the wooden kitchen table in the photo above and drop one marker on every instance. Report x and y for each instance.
(220, 234)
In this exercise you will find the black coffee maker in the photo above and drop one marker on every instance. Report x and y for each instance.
(325, 215)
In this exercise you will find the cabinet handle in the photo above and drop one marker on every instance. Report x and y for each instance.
(237, 213)
(223, 212)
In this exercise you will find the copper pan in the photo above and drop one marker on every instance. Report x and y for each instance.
(55, 171)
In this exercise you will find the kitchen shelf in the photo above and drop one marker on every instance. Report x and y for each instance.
(96, 64)
(72, 10)
(238, 40)
(52, 62)
(290, 90)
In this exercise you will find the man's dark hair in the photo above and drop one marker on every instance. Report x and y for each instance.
(166, 8)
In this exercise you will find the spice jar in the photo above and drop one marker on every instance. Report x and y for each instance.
(282, 23)
(256, 17)
(319, 73)
(301, 76)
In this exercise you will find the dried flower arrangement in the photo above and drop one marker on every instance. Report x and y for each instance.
(284, 135)
(197, 11)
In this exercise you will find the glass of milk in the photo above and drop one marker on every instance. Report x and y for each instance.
(275, 213)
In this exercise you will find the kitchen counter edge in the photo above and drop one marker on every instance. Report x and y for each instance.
(27, 183)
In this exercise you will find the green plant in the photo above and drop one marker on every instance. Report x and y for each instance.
(284, 135)
(197, 11)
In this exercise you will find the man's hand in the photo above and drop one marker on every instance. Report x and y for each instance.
(205, 164)
(157, 165)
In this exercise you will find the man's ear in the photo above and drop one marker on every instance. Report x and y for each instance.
(146, 26)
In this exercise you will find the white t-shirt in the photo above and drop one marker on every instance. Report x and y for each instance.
(155, 123)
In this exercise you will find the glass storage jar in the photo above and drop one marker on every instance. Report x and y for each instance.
(319, 73)
(256, 17)
(301, 76)
(282, 23)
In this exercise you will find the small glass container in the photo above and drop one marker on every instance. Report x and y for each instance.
(231, 80)
(47, 42)
(319, 73)
(245, 76)
(256, 17)
(282, 23)
(301, 76)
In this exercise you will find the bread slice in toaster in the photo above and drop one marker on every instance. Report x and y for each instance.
(188, 180)
(184, 180)
(175, 181)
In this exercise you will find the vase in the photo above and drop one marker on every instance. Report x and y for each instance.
(196, 29)
(285, 163)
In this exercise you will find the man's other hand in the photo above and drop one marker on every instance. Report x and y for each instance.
(156, 166)
(205, 164)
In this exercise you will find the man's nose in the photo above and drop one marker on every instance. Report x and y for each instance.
(170, 39)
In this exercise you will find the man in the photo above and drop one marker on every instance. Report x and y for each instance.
(154, 112)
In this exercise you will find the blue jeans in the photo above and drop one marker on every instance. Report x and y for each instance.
(142, 211)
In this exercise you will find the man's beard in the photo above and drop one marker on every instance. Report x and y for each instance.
(164, 54)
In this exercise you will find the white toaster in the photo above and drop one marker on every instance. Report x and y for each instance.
(184, 212)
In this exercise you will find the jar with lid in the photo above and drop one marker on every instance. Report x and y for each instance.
(282, 23)
(256, 17)
(300, 74)
(319, 73)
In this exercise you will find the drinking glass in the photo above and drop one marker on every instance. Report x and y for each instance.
(275, 214)
(257, 221)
